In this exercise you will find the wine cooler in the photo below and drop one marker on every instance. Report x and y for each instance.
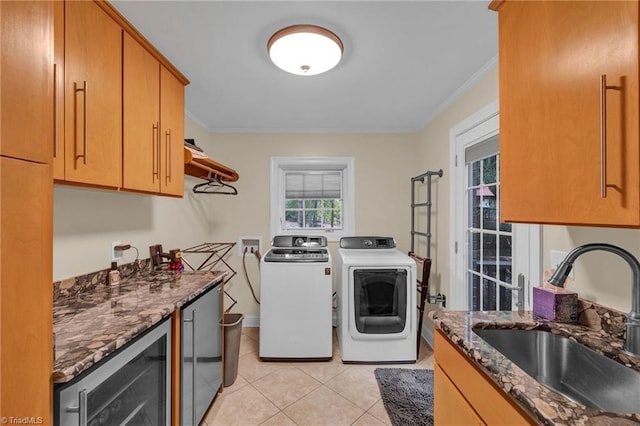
(131, 388)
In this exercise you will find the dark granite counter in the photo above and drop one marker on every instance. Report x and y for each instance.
(92, 324)
(599, 328)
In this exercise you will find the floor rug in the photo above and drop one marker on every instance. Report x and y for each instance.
(407, 395)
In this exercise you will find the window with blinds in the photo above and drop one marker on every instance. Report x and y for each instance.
(312, 195)
(313, 199)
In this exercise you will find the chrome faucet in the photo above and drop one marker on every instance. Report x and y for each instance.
(632, 344)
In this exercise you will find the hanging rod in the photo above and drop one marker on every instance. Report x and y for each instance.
(427, 174)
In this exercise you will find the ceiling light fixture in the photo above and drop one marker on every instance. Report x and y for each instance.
(305, 49)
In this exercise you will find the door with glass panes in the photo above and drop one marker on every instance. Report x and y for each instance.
(495, 263)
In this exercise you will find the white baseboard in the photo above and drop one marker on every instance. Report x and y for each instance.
(251, 321)
(427, 335)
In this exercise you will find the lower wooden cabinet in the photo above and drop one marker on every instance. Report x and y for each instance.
(451, 407)
(465, 396)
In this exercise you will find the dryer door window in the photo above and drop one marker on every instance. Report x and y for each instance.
(380, 299)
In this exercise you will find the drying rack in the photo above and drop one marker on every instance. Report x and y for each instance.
(213, 253)
(423, 263)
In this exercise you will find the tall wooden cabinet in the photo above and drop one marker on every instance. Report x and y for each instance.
(58, 91)
(26, 142)
(569, 119)
(93, 95)
(153, 123)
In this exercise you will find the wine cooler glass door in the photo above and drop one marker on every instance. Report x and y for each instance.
(132, 388)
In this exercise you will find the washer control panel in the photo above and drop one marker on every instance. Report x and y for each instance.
(299, 241)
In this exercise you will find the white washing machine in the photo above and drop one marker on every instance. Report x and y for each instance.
(376, 294)
(296, 293)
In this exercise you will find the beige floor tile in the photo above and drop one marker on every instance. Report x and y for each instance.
(323, 407)
(427, 362)
(239, 383)
(357, 384)
(323, 371)
(286, 386)
(379, 412)
(251, 368)
(245, 407)
(368, 420)
(248, 345)
(279, 419)
(253, 332)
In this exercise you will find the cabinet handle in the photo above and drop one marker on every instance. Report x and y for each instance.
(81, 409)
(55, 110)
(84, 155)
(603, 133)
(168, 140)
(154, 153)
(159, 147)
(192, 320)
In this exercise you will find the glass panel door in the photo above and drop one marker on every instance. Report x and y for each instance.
(489, 241)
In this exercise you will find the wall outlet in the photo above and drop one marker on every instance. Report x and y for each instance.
(557, 256)
(252, 244)
(116, 255)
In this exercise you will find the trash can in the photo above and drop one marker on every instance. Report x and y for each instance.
(232, 330)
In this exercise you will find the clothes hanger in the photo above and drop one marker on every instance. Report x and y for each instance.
(214, 186)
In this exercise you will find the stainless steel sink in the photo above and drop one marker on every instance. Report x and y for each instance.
(569, 368)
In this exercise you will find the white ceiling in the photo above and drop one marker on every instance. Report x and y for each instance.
(402, 61)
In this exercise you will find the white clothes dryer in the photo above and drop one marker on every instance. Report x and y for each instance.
(376, 302)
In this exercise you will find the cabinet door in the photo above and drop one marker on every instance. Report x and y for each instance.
(93, 96)
(201, 370)
(141, 144)
(26, 299)
(172, 135)
(450, 407)
(553, 162)
(26, 80)
(58, 90)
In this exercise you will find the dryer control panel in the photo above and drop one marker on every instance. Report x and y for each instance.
(360, 243)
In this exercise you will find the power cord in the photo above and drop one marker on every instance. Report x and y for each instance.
(246, 274)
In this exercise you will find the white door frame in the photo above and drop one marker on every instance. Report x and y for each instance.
(477, 128)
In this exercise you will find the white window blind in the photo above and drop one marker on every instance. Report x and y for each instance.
(300, 185)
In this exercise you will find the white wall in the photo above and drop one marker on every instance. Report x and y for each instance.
(599, 276)
(383, 166)
(433, 154)
(86, 221)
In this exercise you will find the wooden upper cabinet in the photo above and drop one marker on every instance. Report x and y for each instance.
(141, 144)
(569, 143)
(93, 96)
(26, 80)
(153, 158)
(172, 133)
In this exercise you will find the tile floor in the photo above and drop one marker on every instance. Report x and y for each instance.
(302, 393)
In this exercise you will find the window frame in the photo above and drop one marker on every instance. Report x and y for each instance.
(281, 165)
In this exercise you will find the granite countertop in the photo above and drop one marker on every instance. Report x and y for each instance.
(598, 328)
(92, 324)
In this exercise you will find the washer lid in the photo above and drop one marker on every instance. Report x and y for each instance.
(373, 243)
